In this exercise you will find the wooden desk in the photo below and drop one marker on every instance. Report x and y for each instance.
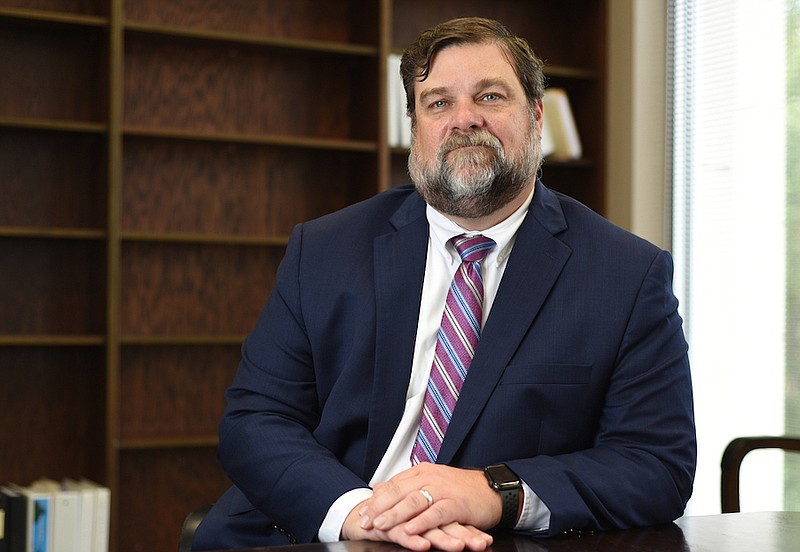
(746, 532)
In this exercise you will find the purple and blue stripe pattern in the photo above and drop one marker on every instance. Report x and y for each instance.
(455, 346)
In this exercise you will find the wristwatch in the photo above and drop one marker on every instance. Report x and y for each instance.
(505, 482)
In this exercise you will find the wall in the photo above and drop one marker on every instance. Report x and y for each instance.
(636, 117)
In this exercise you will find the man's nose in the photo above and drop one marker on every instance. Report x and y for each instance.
(466, 117)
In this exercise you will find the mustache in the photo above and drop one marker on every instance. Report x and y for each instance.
(477, 138)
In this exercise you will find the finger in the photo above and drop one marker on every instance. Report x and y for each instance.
(441, 540)
(455, 537)
(416, 543)
(389, 493)
(443, 518)
(408, 508)
(385, 496)
(473, 538)
(428, 496)
(450, 538)
(437, 516)
(408, 480)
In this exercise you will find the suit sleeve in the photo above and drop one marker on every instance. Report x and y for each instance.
(267, 444)
(640, 468)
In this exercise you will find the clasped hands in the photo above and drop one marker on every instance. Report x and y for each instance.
(428, 506)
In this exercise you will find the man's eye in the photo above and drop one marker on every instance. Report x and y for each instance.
(439, 103)
(491, 97)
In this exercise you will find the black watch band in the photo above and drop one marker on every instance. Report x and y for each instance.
(508, 485)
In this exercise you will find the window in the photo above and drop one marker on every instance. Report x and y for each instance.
(734, 118)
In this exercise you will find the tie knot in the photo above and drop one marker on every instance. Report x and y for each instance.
(473, 248)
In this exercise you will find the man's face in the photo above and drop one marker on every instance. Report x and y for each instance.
(476, 145)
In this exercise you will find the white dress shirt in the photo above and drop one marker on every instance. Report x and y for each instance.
(442, 262)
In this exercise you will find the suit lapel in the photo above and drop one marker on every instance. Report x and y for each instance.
(399, 272)
(536, 261)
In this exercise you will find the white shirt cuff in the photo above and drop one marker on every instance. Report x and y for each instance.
(331, 528)
(535, 515)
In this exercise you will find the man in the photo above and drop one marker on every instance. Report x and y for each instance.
(577, 394)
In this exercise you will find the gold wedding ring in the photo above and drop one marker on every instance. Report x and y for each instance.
(427, 496)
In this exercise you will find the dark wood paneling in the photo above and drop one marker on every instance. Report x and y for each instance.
(236, 189)
(201, 87)
(161, 487)
(174, 391)
(53, 412)
(557, 31)
(400, 169)
(52, 179)
(52, 287)
(354, 21)
(82, 7)
(41, 62)
(185, 289)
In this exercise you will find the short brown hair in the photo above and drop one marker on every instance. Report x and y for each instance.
(416, 61)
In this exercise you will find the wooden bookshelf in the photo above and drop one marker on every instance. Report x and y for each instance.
(154, 159)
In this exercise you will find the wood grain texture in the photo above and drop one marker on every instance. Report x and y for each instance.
(353, 21)
(185, 289)
(235, 189)
(52, 287)
(53, 403)
(191, 85)
(174, 391)
(161, 488)
(82, 7)
(52, 179)
(41, 62)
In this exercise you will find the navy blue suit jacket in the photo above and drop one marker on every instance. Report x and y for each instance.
(580, 383)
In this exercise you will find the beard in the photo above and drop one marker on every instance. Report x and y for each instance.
(472, 176)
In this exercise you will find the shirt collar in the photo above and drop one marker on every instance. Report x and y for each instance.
(442, 229)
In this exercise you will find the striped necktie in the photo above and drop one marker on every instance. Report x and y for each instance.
(455, 346)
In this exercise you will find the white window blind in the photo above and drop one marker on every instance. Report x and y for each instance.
(735, 233)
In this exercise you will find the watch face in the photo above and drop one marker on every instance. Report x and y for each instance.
(502, 477)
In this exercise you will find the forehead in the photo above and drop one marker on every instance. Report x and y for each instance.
(465, 64)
